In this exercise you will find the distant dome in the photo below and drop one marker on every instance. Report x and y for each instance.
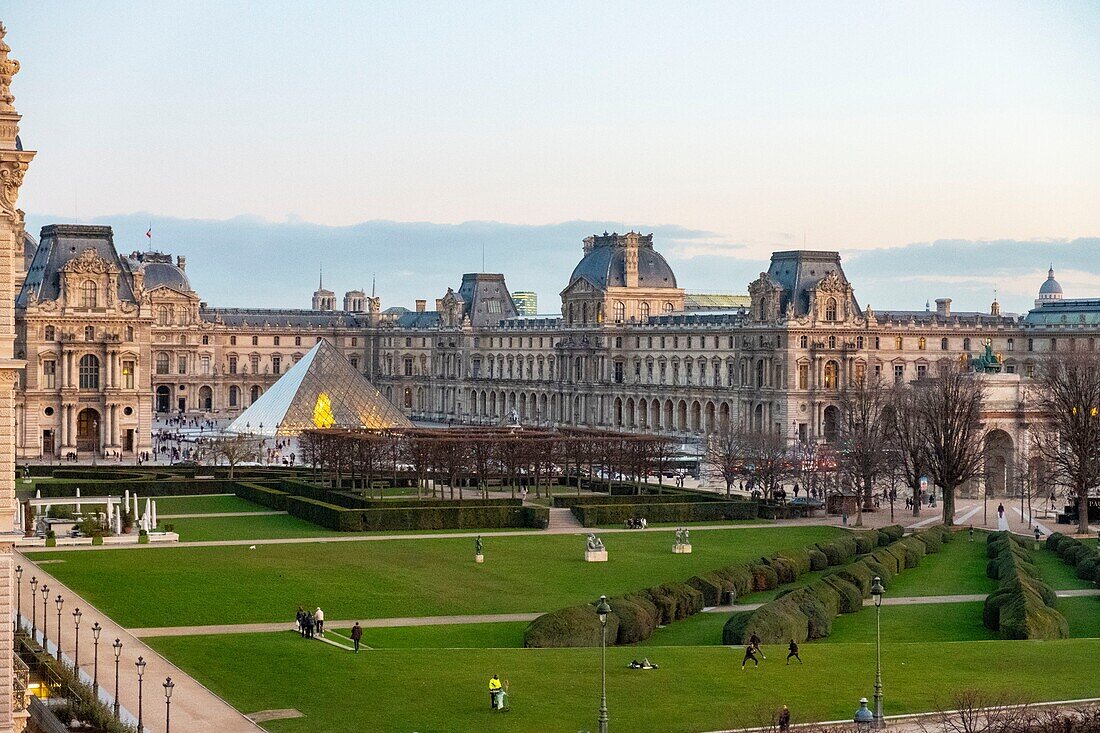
(1050, 290)
(604, 265)
(164, 273)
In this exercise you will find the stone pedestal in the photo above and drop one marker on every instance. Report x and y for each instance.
(595, 555)
(479, 558)
(681, 549)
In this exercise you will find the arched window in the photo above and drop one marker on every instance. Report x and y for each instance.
(668, 307)
(253, 394)
(584, 313)
(89, 372)
(234, 396)
(162, 363)
(921, 343)
(408, 398)
(620, 310)
(831, 370)
(966, 344)
(832, 342)
(898, 343)
(206, 398)
(830, 309)
(162, 316)
(89, 333)
(943, 344)
(643, 310)
(48, 334)
(87, 294)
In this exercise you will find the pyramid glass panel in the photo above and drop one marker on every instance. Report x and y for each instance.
(323, 390)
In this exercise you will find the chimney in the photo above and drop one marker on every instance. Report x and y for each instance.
(943, 307)
(181, 262)
(421, 306)
(439, 305)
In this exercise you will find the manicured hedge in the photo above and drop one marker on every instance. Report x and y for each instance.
(592, 515)
(675, 601)
(570, 627)
(637, 617)
(818, 560)
(468, 515)
(849, 597)
(262, 495)
(711, 590)
(892, 533)
(1075, 552)
(840, 550)
(151, 488)
(800, 558)
(1023, 606)
(675, 497)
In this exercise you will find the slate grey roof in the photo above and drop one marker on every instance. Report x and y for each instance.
(932, 318)
(413, 319)
(1071, 312)
(157, 269)
(278, 317)
(60, 243)
(485, 298)
(1050, 286)
(798, 271)
(603, 266)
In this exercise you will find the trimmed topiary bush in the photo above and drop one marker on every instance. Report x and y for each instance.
(1053, 539)
(764, 577)
(849, 597)
(865, 542)
(675, 601)
(800, 559)
(637, 619)
(858, 574)
(1022, 607)
(711, 591)
(786, 571)
(1087, 567)
(569, 627)
(893, 533)
(818, 560)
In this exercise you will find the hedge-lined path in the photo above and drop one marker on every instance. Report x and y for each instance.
(373, 623)
(194, 707)
(218, 514)
(911, 600)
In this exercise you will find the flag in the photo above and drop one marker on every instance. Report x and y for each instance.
(149, 233)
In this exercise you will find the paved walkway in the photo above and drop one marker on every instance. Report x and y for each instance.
(194, 707)
(371, 623)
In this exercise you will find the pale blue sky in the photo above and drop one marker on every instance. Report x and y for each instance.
(847, 125)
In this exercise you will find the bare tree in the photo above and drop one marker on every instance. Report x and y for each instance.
(727, 454)
(907, 447)
(864, 434)
(948, 423)
(1069, 385)
(769, 461)
(235, 450)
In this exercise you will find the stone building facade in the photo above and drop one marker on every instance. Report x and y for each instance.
(628, 351)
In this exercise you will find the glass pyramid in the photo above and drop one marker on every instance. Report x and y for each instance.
(323, 390)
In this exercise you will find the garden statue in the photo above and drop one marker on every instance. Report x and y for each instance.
(478, 546)
(595, 544)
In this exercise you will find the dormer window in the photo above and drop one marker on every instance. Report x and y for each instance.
(830, 309)
(88, 294)
(89, 333)
(48, 334)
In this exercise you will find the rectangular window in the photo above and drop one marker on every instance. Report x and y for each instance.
(803, 376)
(899, 372)
(181, 362)
(127, 375)
(232, 340)
(354, 341)
(408, 367)
(49, 374)
(232, 365)
(255, 360)
(618, 372)
(255, 340)
(297, 340)
(205, 362)
(921, 370)
(276, 340)
(276, 365)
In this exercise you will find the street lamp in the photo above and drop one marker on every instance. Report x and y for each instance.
(876, 593)
(18, 597)
(96, 631)
(118, 653)
(602, 610)
(140, 664)
(34, 587)
(60, 602)
(45, 597)
(168, 686)
(76, 654)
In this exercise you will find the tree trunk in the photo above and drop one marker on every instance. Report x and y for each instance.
(948, 505)
(916, 498)
(1083, 512)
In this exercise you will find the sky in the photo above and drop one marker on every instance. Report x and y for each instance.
(748, 127)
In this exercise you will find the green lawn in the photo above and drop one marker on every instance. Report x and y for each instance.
(395, 577)
(504, 635)
(957, 569)
(696, 688)
(204, 505)
(1057, 574)
(273, 526)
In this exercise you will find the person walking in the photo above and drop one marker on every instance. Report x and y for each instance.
(301, 621)
(784, 720)
(357, 634)
(792, 651)
(1001, 511)
(319, 621)
(494, 690)
(307, 622)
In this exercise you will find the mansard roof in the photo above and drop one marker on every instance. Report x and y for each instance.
(485, 298)
(1076, 311)
(280, 317)
(799, 271)
(61, 244)
(604, 265)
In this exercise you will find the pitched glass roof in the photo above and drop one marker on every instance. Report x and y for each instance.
(323, 390)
